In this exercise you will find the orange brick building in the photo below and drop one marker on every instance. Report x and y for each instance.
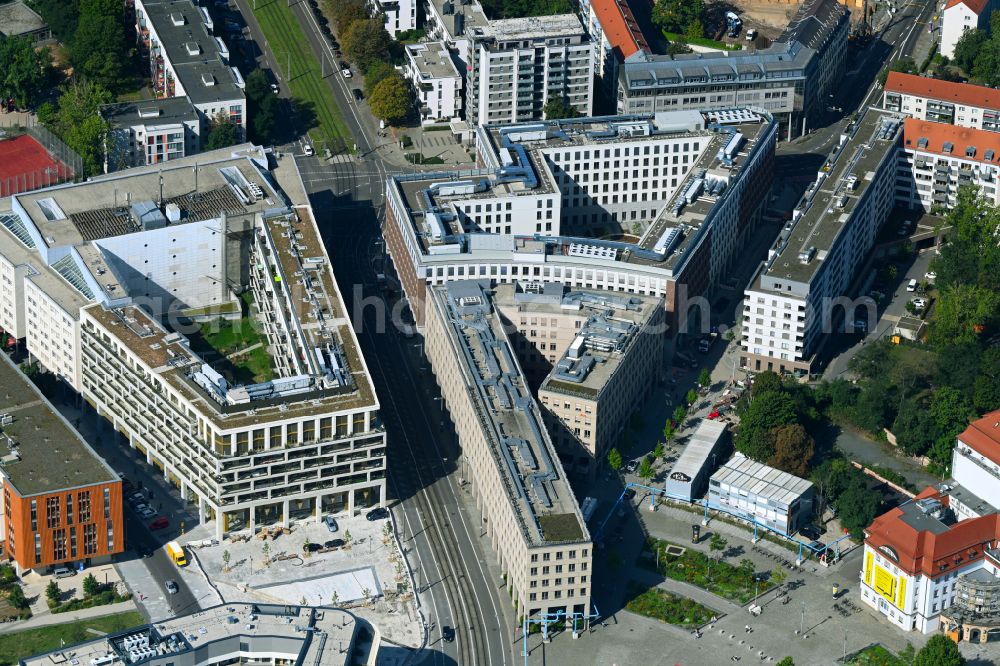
(61, 503)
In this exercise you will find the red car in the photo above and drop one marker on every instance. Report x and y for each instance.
(713, 415)
(159, 523)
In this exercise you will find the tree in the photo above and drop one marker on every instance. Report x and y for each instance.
(914, 428)
(61, 16)
(366, 42)
(680, 413)
(222, 133)
(16, 597)
(857, 507)
(704, 378)
(873, 410)
(986, 387)
(266, 552)
(793, 449)
(77, 121)
(347, 537)
(787, 661)
(559, 107)
(939, 651)
(677, 15)
(779, 576)
(765, 382)
(391, 99)
(692, 396)
(658, 451)
(905, 65)
(497, 9)
(99, 50)
(614, 459)
(90, 586)
(694, 30)
(257, 86)
(52, 592)
(646, 471)
(678, 47)
(345, 12)
(717, 543)
(24, 72)
(226, 557)
(379, 71)
(962, 310)
(668, 431)
(765, 413)
(968, 47)
(264, 121)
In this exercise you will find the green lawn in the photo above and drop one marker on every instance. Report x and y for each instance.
(311, 94)
(217, 339)
(735, 583)
(665, 607)
(876, 655)
(34, 641)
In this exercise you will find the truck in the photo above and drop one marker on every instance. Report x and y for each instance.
(176, 553)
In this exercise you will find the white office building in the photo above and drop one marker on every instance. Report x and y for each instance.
(400, 15)
(761, 494)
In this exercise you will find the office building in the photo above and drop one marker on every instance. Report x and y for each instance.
(602, 353)
(186, 60)
(150, 132)
(62, 504)
(240, 632)
(799, 293)
(529, 513)
(791, 80)
(519, 65)
(762, 495)
(937, 159)
(616, 35)
(681, 192)
(111, 277)
(400, 15)
(432, 72)
(959, 16)
(932, 562)
(961, 104)
(707, 448)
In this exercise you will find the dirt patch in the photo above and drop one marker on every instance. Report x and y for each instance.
(768, 17)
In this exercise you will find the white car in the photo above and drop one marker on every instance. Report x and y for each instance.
(919, 303)
(930, 276)
(346, 72)
(308, 150)
(274, 88)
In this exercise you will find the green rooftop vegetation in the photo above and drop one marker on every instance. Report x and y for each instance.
(504, 9)
(560, 527)
(571, 388)
(20, 644)
(235, 348)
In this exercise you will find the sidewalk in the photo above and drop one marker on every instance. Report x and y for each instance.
(49, 618)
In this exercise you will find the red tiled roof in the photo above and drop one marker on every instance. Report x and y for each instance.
(983, 436)
(925, 552)
(976, 6)
(620, 27)
(960, 138)
(946, 91)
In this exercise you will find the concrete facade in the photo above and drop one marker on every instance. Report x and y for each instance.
(437, 81)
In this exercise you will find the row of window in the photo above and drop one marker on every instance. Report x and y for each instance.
(54, 509)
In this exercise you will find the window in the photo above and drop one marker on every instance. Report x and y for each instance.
(69, 508)
(34, 515)
(52, 512)
(38, 547)
(107, 502)
(111, 537)
(72, 543)
(59, 544)
(83, 506)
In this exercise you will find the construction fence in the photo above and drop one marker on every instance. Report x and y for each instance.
(32, 157)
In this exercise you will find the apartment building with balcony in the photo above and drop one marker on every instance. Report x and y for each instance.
(593, 356)
(799, 294)
(792, 79)
(186, 60)
(925, 98)
(150, 132)
(519, 65)
(530, 516)
(937, 159)
(438, 83)
(690, 186)
(61, 503)
(959, 16)
(134, 260)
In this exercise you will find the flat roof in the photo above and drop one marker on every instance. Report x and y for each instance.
(820, 217)
(432, 60)
(520, 446)
(150, 112)
(299, 634)
(17, 18)
(761, 480)
(447, 11)
(532, 27)
(47, 279)
(701, 445)
(48, 454)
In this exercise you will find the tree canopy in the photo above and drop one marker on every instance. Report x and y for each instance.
(77, 121)
(378, 72)
(222, 133)
(765, 412)
(968, 47)
(24, 72)
(345, 12)
(793, 449)
(501, 9)
(678, 15)
(391, 99)
(366, 42)
(61, 16)
(939, 650)
(99, 50)
(559, 107)
(857, 506)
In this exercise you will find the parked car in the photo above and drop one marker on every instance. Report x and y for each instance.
(811, 532)
(911, 285)
(358, 95)
(334, 543)
(275, 89)
(930, 276)
(331, 523)
(147, 513)
(919, 303)
(172, 587)
(63, 572)
(447, 633)
(377, 514)
(345, 70)
(159, 523)
(308, 150)
(136, 498)
(817, 545)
